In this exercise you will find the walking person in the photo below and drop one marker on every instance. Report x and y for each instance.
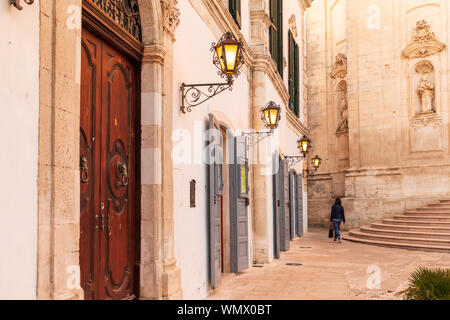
(337, 217)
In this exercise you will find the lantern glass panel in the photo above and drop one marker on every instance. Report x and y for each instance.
(231, 54)
(273, 116)
(219, 50)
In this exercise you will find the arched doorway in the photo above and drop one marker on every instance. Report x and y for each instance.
(111, 54)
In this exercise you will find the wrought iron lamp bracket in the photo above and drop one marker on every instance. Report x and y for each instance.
(260, 135)
(293, 160)
(309, 171)
(192, 96)
(16, 3)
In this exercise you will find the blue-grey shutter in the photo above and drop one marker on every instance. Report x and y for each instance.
(300, 204)
(292, 204)
(215, 185)
(239, 201)
(284, 219)
(277, 207)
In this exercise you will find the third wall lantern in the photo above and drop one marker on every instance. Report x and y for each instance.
(228, 58)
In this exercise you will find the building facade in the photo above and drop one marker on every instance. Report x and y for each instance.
(378, 106)
(121, 201)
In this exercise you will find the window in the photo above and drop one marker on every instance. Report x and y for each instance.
(294, 79)
(234, 6)
(276, 33)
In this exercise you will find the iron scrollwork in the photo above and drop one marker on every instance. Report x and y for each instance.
(192, 95)
(293, 160)
(125, 13)
(17, 4)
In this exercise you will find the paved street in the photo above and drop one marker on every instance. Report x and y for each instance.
(329, 271)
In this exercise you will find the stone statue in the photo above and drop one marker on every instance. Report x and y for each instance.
(343, 108)
(426, 94)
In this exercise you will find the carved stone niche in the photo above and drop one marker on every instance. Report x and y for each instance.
(423, 43)
(426, 127)
(425, 84)
(339, 69)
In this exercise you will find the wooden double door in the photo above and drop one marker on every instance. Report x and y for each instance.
(107, 171)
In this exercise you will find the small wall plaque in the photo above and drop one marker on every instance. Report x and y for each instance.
(192, 193)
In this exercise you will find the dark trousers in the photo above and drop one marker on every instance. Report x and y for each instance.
(336, 226)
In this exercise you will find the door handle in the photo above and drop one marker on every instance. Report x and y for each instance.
(84, 175)
(122, 174)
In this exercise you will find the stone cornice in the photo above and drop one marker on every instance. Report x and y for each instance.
(153, 54)
(263, 62)
(295, 124)
(225, 22)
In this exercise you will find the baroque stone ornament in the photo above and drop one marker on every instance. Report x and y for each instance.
(426, 93)
(424, 67)
(171, 15)
(423, 43)
(339, 69)
(125, 13)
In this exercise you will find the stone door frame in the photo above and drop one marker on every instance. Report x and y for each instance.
(58, 179)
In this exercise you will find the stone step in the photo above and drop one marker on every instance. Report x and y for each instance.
(444, 243)
(413, 222)
(426, 213)
(384, 226)
(433, 209)
(410, 246)
(439, 205)
(423, 217)
(406, 234)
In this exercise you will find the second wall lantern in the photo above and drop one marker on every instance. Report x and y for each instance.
(228, 58)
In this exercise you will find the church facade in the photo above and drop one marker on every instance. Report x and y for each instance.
(378, 106)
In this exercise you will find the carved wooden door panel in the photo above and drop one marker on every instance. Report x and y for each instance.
(90, 131)
(117, 174)
(107, 243)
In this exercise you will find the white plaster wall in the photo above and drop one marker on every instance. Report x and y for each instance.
(19, 99)
(193, 64)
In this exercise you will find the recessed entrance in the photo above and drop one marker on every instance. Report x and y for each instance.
(108, 166)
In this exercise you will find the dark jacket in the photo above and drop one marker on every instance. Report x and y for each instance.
(337, 212)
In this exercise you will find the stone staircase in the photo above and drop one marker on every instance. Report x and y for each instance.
(426, 228)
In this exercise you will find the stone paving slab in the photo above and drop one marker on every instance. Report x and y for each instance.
(329, 271)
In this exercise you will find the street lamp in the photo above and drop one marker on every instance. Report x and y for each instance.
(228, 58)
(316, 161)
(271, 116)
(304, 144)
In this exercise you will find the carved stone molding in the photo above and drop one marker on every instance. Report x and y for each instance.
(153, 54)
(293, 26)
(339, 69)
(424, 67)
(425, 121)
(171, 15)
(423, 43)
